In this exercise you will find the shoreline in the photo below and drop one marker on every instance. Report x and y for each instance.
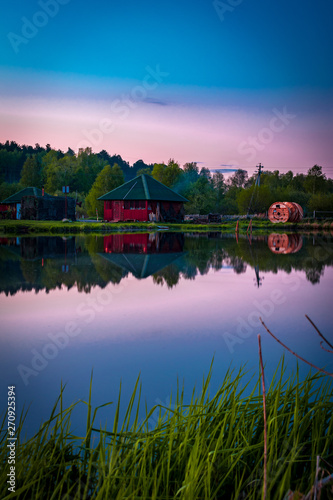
(20, 227)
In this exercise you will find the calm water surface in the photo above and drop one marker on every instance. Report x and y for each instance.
(157, 304)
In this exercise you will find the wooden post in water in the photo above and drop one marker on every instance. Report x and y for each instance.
(249, 227)
(237, 231)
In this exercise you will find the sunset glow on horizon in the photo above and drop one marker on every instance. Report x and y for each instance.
(218, 98)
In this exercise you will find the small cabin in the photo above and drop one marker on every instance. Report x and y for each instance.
(32, 203)
(12, 205)
(143, 199)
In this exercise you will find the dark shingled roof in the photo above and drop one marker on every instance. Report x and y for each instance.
(143, 187)
(29, 191)
(142, 265)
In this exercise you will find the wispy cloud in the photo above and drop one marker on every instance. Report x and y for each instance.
(150, 100)
(225, 170)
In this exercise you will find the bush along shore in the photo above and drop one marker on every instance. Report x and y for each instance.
(21, 227)
(216, 447)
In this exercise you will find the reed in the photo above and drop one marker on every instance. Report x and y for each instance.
(211, 448)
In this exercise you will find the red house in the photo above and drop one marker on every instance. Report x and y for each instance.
(143, 199)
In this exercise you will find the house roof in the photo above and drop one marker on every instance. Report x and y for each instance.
(29, 191)
(143, 187)
(142, 265)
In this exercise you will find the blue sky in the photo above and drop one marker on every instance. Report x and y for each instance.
(225, 67)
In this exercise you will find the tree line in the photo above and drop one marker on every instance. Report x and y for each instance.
(90, 175)
(213, 251)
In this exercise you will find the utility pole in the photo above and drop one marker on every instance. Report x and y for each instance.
(260, 167)
(257, 183)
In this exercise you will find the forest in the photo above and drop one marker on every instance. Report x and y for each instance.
(21, 269)
(90, 175)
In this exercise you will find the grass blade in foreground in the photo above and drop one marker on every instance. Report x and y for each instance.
(212, 448)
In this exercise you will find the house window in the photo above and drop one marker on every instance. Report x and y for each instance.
(135, 205)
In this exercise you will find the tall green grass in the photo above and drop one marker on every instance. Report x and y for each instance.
(211, 448)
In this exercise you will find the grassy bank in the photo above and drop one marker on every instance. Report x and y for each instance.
(19, 227)
(210, 449)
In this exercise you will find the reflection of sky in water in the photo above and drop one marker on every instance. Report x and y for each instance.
(139, 326)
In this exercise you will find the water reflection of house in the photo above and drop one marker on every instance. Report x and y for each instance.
(143, 254)
(41, 247)
(144, 243)
(47, 247)
(143, 199)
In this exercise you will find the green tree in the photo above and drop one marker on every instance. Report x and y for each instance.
(87, 166)
(145, 171)
(219, 186)
(107, 180)
(191, 171)
(140, 165)
(286, 179)
(11, 163)
(172, 173)
(201, 196)
(31, 173)
(321, 202)
(261, 201)
(7, 189)
(158, 171)
(229, 204)
(297, 183)
(315, 180)
(205, 172)
(239, 178)
(59, 173)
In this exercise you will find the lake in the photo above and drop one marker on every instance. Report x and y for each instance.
(161, 305)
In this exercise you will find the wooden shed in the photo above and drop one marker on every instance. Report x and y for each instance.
(13, 203)
(143, 199)
(32, 203)
(47, 208)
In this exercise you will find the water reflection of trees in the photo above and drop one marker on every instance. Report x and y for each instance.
(51, 263)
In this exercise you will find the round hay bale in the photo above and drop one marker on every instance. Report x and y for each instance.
(278, 212)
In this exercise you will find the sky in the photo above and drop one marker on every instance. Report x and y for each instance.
(228, 83)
